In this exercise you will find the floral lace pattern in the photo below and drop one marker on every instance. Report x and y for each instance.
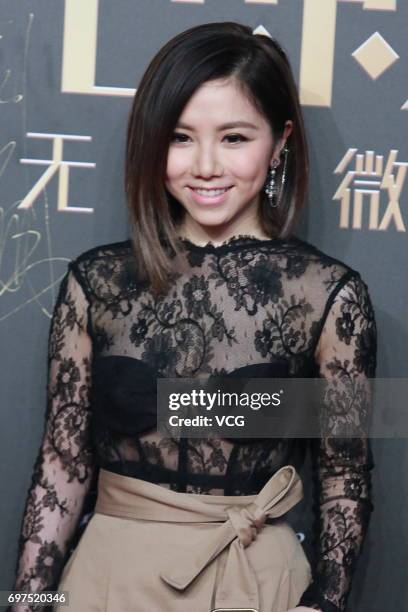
(242, 306)
(65, 463)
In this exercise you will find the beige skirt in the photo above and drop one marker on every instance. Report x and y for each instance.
(150, 549)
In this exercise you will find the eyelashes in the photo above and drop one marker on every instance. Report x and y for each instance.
(241, 138)
(238, 137)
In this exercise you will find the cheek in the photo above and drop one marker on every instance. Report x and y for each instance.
(252, 166)
(175, 166)
(251, 171)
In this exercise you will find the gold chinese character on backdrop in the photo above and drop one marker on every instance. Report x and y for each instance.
(364, 183)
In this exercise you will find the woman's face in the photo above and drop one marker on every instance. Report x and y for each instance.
(212, 149)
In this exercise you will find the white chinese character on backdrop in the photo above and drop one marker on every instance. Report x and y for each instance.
(57, 165)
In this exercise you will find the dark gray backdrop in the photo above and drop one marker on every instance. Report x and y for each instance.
(350, 61)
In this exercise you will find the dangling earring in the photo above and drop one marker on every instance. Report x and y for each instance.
(285, 161)
(270, 185)
(271, 188)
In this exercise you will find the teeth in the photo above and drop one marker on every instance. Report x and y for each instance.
(210, 192)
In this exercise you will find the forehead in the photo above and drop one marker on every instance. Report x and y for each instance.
(219, 101)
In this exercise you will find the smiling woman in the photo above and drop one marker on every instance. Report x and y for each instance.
(213, 114)
(216, 172)
(212, 282)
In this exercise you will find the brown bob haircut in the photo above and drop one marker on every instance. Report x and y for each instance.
(261, 69)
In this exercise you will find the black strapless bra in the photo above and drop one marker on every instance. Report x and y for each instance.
(124, 391)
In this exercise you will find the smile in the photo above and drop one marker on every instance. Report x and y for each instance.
(209, 196)
(210, 192)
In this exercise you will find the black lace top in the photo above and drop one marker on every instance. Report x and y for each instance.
(279, 307)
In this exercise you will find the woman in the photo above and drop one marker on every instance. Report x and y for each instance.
(212, 282)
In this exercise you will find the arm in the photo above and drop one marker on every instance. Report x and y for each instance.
(346, 354)
(64, 466)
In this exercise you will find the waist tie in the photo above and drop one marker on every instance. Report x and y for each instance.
(241, 516)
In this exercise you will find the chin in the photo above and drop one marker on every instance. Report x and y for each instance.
(212, 219)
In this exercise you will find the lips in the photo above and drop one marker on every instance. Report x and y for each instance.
(210, 188)
(208, 197)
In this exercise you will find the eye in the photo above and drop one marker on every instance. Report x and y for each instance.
(239, 136)
(177, 136)
(233, 138)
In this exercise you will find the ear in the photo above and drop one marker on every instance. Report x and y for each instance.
(282, 141)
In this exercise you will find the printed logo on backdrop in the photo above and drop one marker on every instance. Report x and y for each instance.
(373, 185)
(375, 55)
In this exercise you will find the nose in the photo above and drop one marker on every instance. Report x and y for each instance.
(207, 163)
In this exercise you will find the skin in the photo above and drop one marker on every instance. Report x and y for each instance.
(206, 156)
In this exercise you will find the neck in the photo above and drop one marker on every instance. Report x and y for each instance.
(201, 235)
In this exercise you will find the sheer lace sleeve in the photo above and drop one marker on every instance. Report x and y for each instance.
(64, 465)
(346, 354)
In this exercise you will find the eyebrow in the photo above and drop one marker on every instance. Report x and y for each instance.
(225, 126)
